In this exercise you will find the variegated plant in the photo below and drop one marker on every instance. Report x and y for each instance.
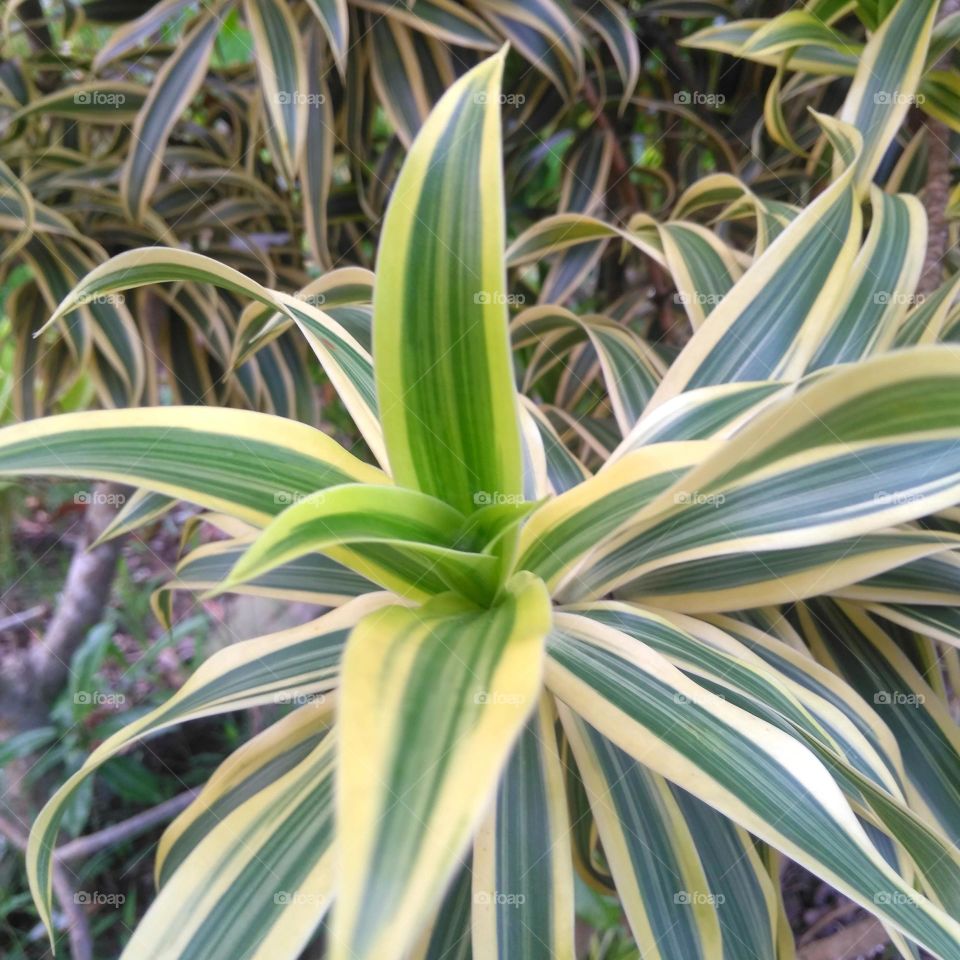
(253, 131)
(713, 649)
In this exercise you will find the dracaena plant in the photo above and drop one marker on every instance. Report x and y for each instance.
(123, 125)
(661, 674)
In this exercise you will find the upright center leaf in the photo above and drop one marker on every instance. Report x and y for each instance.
(441, 345)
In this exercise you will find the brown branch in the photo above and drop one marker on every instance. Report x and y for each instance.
(839, 912)
(13, 833)
(78, 929)
(83, 598)
(31, 681)
(847, 944)
(21, 619)
(126, 829)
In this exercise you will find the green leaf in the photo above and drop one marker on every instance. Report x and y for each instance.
(522, 862)
(249, 465)
(737, 763)
(172, 90)
(443, 364)
(424, 733)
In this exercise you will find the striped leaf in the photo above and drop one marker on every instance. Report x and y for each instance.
(561, 530)
(886, 81)
(416, 769)
(284, 832)
(762, 675)
(732, 37)
(658, 872)
(612, 22)
(853, 645)
(313, 578)
(132, 34)
(409, 74)
(563, 469)
(881, 281)
(701, 414)
(282, 66)
(449, 935)
(736, 763)
(400, 538)
(334, 18)
(790, 30)
(250, 465)
(522, 863)
(740, 581)
(443, 366)
(141, 508)
(772, 320)
(244, 774)
(105, 101)
(171, 92)
(544, 33)
(316, 158)
(277, 668)
(345, 361)
(631, 370)
(872, 465)
(444, 19)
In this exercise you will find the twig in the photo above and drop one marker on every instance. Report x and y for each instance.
(841, 910)
(13, 833)
(78, 929)
(132, 827)
(847, 944)
(23, 618)
(83, 598)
